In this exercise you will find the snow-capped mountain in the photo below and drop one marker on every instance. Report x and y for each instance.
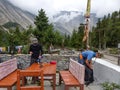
(65, 16)
(67, 21)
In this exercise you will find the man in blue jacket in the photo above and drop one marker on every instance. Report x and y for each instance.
(85, 58)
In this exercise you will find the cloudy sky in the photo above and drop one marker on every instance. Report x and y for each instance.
(101, 7)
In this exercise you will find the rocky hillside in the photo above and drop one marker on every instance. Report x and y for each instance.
(10, 13)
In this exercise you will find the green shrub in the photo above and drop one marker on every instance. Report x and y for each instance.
(113, 50)
(25, 49)
(110, 86)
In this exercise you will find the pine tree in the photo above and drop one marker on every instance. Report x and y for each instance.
(42, 25)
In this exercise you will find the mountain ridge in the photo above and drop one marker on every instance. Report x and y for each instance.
(64, 21)
(70, 20)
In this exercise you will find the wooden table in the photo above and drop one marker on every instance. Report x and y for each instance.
(48, 69)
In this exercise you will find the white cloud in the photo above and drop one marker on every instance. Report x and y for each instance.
(101, 7)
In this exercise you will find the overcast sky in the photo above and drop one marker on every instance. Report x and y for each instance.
(101, 7)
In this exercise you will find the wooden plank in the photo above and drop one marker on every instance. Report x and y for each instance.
(10, 80)
(68, 78)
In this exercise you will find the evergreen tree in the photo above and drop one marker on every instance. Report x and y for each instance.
(3, 37)
(73, 42)
(42, 25)
(107, 31)
(45, 32)
(80, 36)
(50, 36)
(58, 38)
(66, 41)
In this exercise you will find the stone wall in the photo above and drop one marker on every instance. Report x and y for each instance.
(24, 60)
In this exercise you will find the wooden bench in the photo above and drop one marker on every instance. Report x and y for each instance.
(8, 73)
(74, 77)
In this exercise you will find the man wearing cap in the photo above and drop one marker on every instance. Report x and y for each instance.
(85, 58)
(35, 50)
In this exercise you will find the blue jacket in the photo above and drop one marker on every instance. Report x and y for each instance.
(88, 54)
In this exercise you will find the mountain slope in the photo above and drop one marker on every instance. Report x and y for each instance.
(69, 20)
(10, 13)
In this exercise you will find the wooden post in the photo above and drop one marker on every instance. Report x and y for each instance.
(87, 25)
